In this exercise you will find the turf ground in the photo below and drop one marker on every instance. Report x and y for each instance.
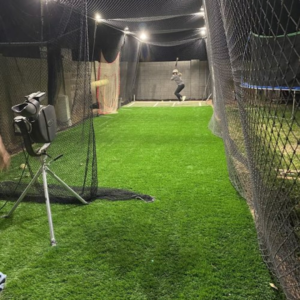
(197, 240)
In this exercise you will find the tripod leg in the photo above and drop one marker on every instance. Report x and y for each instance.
(25, 191)
(66, 186)
(52, 238)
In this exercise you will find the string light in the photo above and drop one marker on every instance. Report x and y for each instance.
(143, 36)
(201, 12)
(98, 18)
(203, 31)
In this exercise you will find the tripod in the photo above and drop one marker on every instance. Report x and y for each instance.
(44, 169)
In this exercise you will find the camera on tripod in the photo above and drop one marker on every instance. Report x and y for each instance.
(36, 123)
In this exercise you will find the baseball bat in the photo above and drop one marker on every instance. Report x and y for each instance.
(177, 58)
(99, 82)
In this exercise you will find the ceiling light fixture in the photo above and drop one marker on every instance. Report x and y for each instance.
(98, 18)
(143, 36)
(201, 12)
(203, 31)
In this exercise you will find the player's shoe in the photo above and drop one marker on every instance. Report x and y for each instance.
(183, 98)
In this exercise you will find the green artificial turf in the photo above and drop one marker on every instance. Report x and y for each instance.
(197, 240)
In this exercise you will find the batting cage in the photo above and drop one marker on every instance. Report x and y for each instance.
(64, 63)
(87, 65)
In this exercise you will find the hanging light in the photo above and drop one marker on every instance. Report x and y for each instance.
(201, 12)
(98, 18)
(203, 31)
(126, 30)
(143, 36)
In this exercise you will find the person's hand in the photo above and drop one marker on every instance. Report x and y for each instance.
(4, 157)
(4, 161)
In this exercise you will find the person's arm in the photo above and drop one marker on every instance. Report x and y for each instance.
(4, 157)
(173, 77)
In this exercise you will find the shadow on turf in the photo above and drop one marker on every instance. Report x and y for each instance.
(110, 194)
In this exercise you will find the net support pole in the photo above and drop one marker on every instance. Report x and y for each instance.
(42, 20)
(210, 61)
(294, 102)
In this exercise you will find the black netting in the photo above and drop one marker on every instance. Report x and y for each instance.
(128, 68)
(253, 49)
(112, 9)
(195, 49)
(48, 66)
(160, 24)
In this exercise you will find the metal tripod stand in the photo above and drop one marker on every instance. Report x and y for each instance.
(44, 170)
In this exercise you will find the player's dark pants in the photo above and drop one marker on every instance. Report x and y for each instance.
(178, 90)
